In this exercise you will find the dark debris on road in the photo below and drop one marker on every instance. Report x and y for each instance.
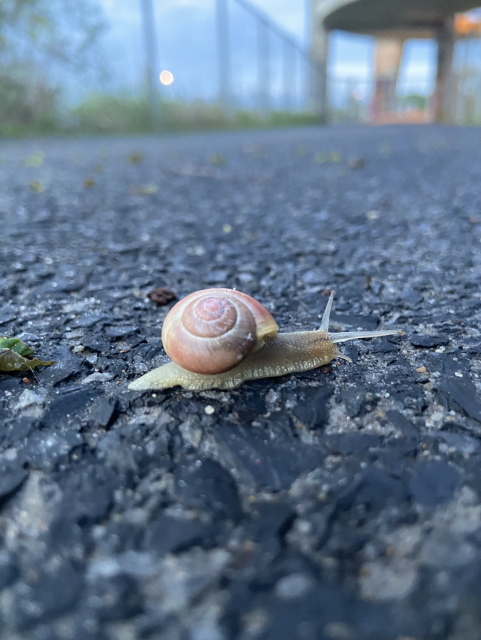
(343, 503)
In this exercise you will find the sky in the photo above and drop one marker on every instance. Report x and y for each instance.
(187, 47)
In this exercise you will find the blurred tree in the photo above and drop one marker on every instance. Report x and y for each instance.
(42, 44)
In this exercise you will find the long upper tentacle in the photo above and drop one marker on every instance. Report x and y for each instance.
(327, 313)
(350, 335)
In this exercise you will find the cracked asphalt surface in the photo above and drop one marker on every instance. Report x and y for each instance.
(343, 503)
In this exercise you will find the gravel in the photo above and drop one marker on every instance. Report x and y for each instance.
(342, 503)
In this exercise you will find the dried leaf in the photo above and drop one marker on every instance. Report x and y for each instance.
(11, 361)
(331, 156)
(218, 160)
(34, 159)
(135, 157)
(12, 356)
(89, 183)
(144, 189)
(37, 186)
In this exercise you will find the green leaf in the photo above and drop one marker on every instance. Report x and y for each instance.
(16, 345)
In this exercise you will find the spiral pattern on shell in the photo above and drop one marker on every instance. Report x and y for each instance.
(213, 330)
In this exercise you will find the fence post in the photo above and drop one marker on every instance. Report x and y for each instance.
(263, 65)
(289, 74)
(150, 41)
(318, 68)
(223, 52)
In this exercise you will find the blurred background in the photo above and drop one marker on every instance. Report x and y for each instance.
(129, 66)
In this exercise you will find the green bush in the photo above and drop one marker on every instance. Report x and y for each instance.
(27, 109)
(109, 114)
(35, 111)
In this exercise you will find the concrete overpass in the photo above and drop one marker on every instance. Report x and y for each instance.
(391, 22)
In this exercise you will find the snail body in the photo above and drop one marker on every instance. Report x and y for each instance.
(219, 338)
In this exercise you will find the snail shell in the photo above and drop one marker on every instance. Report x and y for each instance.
(213, 330)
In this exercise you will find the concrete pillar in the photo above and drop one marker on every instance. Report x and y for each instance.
(444, 94)
(388, 58)
(318, 99)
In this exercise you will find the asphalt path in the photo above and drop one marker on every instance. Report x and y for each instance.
(341, 503)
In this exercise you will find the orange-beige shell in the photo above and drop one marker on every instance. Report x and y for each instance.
(213, 330)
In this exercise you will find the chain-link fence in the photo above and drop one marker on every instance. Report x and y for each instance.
(98, 66)
(232, 54)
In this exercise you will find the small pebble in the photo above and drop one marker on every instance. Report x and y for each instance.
(356, 163)
(209, 409)
(74, 335)
(161, 296)
(97, 377)
(27, 399)
(293, 586)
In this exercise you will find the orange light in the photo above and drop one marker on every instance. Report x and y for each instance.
(166, 78)
(465, 24)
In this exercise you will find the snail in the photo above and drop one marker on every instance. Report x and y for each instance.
(219, 338)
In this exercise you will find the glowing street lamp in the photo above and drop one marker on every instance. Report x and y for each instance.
(166, 78)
